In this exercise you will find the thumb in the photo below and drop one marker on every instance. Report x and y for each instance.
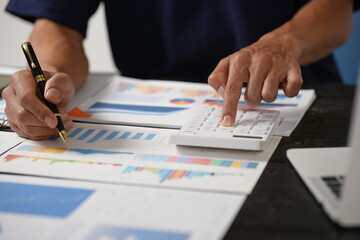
(59, 89)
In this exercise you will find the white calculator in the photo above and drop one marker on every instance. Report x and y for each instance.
(252, 130)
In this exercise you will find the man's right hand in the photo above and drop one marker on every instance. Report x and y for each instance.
(27, 115)
(60, 51)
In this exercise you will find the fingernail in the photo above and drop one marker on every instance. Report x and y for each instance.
(54, 93)
(50, 122)
(221, 91)
(226, 122)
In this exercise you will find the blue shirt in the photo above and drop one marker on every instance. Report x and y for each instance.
(176, 39)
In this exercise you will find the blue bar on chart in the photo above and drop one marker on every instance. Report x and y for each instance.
(112, 135)
(75, 132)
(252, 165)
(125, 135)
(97, 136)
(86, 134)
(150, 136)
(137, 136)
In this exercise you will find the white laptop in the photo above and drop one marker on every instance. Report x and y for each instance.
(333, 174)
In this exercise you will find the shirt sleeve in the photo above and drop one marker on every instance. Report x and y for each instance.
(70, 13)
(356, 5)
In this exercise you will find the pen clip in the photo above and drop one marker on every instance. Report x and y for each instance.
(25, 47)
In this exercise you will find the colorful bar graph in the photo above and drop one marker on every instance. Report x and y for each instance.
(147, 157)
(173, 174)
(197, 161)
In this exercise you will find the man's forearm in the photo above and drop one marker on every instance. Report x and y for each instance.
(316, 29)
(60, 49)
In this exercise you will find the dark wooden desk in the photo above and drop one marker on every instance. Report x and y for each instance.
(281, 206)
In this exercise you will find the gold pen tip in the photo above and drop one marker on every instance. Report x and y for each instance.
(63, 135)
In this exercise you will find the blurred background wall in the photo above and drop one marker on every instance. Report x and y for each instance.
(14, 31)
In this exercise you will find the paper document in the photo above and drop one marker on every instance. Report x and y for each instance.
(3, 117)
(5, 73)
(8, 140)
(144, 102)
(9, 70)
(169, 104)
(44, 208)
(140, 156)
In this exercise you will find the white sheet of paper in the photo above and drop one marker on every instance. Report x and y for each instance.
(169, 104)
(44, 208)
(8, 140)
(141, 156)
(94, 83)
(145, 103)
(3, 116)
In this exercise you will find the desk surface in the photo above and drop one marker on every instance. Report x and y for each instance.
(281, 206)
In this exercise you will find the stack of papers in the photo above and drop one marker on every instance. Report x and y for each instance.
(190, 192)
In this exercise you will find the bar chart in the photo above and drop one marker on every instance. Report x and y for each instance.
(171, 175)
(41, 200)
(132, 155)
(214, 162)
(94, 135)
(197, 161)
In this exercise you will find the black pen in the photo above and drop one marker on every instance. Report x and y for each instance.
(40, 81)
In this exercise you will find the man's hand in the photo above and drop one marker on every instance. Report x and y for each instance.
(60, 52)
(314, 32)
(263, 66)
(27, 115)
